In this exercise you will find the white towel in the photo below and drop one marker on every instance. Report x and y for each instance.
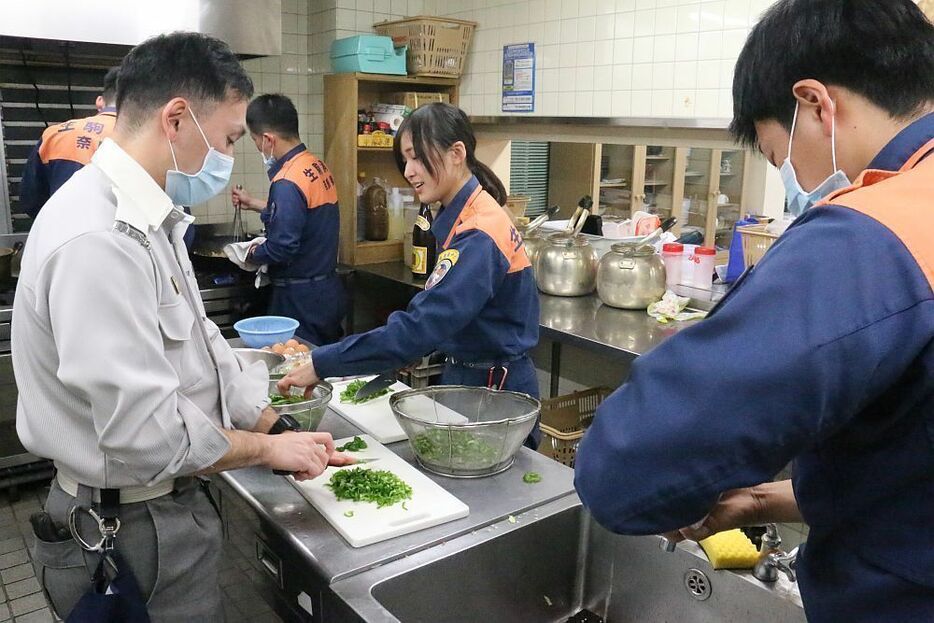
(237, 251)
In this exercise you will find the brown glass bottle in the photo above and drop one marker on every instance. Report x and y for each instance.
(376, 223)
(424, 251)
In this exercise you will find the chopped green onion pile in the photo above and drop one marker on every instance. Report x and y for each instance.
(369, 485)
(532, 477)
(355, 445)
(460, 447)
(350, 393)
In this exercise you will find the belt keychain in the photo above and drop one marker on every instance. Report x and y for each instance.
(108, 524)
(114, 595)
(502, 382)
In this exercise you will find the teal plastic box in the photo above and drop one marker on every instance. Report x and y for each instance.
(369, 54)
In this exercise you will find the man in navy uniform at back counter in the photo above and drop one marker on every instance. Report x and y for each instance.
(65, 148)
(302, 222)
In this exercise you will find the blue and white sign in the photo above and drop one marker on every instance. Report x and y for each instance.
(519, 77)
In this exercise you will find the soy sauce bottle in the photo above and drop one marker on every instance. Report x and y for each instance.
(424, 251)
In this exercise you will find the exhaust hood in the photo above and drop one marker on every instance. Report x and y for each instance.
(250, 27)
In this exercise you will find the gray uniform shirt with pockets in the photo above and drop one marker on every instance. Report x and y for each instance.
(122, 379)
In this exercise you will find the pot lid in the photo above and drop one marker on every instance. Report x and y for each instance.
(568, 240)
(631, 249)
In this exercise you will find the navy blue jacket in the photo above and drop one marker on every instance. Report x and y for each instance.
(61, 151)
(823, 354)
(302, 218)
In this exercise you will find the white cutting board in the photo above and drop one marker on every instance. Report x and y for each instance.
(374, 416)
(430, 505)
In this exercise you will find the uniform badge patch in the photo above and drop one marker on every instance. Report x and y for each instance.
(446, 262)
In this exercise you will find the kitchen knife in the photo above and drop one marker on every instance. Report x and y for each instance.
(375, 386)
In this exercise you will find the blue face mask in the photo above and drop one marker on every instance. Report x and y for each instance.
(186, 189)
(798, 199)
(268, 161)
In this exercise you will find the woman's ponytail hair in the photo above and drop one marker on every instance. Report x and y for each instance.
(434, 128)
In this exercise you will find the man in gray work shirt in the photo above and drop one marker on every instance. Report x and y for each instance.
(123, 381)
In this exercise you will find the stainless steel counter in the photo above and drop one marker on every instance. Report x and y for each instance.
(582, 321)
(490, 499)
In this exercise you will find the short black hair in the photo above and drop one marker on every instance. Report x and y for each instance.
(272, 112)
(110, 85)
(181, 64)
(882, 50)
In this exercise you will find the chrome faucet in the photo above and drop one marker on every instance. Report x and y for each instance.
(772, 559)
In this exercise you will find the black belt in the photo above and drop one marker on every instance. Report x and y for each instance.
(484, 365)
(293, 281)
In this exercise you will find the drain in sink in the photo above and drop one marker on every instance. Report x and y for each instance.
(698, 584)
(585, 616)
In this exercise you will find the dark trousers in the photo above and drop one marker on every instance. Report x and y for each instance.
(520, 378)
(319, 307)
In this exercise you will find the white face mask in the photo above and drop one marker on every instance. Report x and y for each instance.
(798, 199)
(187, 189)
(268, 161)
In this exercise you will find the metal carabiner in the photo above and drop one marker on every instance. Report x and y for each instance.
(502, 382)
(108, 532)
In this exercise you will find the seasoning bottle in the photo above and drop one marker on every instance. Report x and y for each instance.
(672, 253)
(376, 224)
(424, 251)
(361, 212)
(396, 219)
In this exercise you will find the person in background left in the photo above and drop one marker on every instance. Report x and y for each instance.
(64, 148)
(302, 222)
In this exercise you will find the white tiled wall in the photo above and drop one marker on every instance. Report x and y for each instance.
(287, 74)
(308, 28)
(645, 58)
(653, 58)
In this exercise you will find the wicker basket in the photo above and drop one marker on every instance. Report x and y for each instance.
(436, 46)
(756, 241)
(564, 420)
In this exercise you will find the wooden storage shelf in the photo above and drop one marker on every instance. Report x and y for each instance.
(344, 94)
(676, 174)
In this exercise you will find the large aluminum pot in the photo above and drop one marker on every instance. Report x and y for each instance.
(630, 277)
(566, 265)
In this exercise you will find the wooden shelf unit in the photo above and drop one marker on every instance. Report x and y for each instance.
(344, 95)
(676, 174)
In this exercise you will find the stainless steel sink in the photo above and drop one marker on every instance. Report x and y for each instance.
(552, 562)
(648, 584)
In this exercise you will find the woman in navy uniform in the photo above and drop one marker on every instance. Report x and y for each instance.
(480, 305)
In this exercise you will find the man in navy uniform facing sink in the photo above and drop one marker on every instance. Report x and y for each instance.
(823, 354)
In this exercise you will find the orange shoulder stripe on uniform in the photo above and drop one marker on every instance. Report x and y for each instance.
(312, 177)
(902, 202)
(483, 213)
(76, 140)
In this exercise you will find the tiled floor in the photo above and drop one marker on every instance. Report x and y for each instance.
(21, 597)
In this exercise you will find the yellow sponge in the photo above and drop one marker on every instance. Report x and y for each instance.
(730, 550)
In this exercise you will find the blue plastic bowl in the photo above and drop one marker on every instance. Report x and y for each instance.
(265, 330)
